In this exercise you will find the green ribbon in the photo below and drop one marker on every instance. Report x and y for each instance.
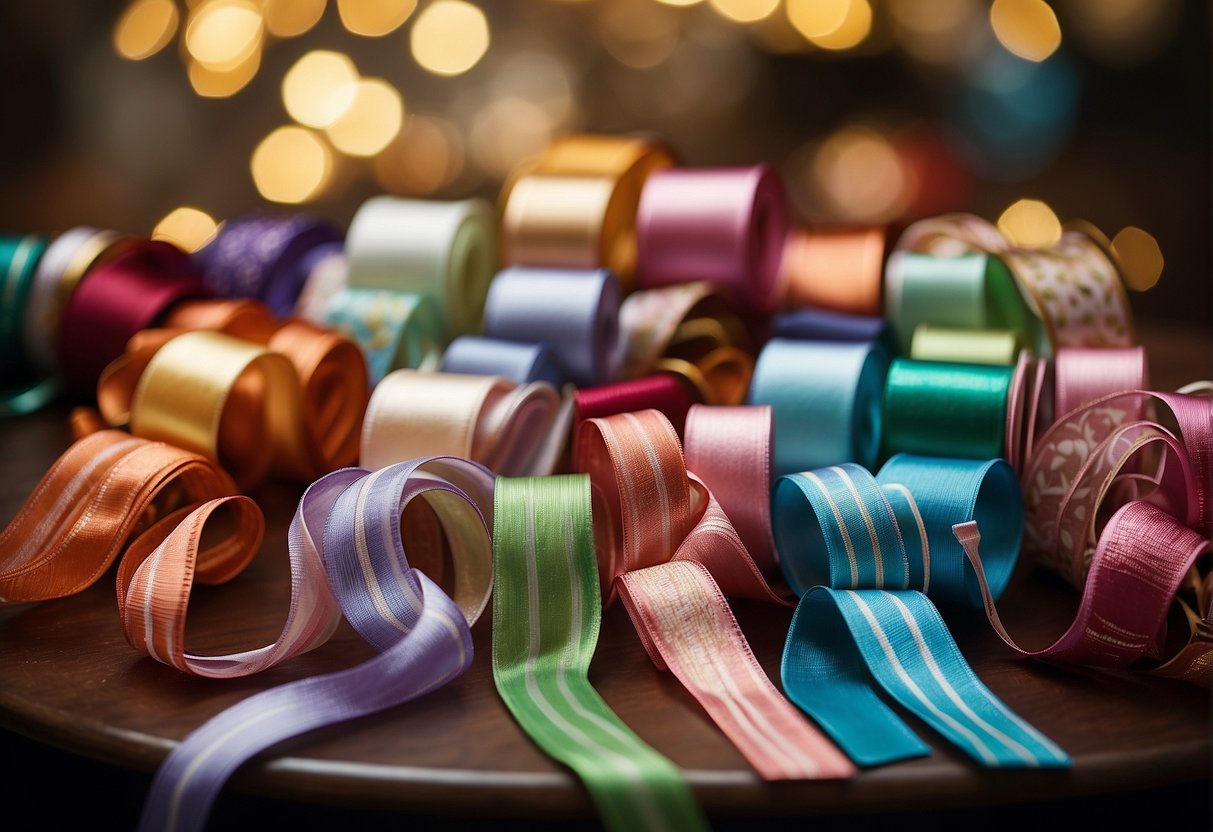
(948, 409)
(20, 391)
(999, 347)
(546, 616)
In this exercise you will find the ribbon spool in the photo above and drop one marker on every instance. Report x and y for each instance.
(575, 313)
(520, 363)
(575, 205)
(826, 397)
(395, 330)
(266, 258)
(721, 225)
(513, 430)
(21, 391)
(839, 269)
(668, 393)
(999, 347)
(326, 279)
(445, 251)
(118, 298)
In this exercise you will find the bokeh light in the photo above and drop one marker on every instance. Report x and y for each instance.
(425, 157)
(374, 18)
(638, 35)
(221, 34)
(371, 120)
(860, 176)
(1027, 28)
(187, 227)
(291, 165)
(319, 87)
(1030, 223)
(855, 27)
(210, 82)
(745, 11)
(146, 27)
(1139, 256)
(449, 37)
(291, 18)
(506, 130)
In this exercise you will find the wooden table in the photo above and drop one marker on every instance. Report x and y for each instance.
(68, 680)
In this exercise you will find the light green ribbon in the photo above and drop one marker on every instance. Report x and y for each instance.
(999, 347)
(546, 616)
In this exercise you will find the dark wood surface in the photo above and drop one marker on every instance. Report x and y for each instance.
(70, 682)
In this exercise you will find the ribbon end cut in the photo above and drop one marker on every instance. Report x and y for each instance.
(967, 534)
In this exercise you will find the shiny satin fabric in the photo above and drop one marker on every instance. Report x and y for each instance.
(23, 388)
(839, 269)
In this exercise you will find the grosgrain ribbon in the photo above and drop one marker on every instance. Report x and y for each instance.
(546, 617)
(669, 551)
(353, 517)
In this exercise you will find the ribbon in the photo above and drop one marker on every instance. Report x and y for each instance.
(857, 549)
(354, 518)
(21, 391)
(667, 393)
(575, 205)
(575, 313)
(265, 257)
(120, 297)
(395, 330)
(722, 225)
(839, 269)
(999, 347)
(445, 251)
(520, 363)
(512, 429)
(546, 616)
(671, 554)
(824, 325)
(326, 279)
(826, 400)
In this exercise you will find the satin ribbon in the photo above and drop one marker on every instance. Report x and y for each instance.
(575, 205)
(840, 269)
(858, 549)
(265, 257)
(21, 389)
(446, 251)
(669, 551)
(942, 408)
(722, 225)
(999, 347)
(102, 493)
(520, 363)
(546, 617)
(826, 397)
(353, 518)
(326, 279)
(118, 298)
(825, 325)
(229, 380)
(575, 313)
(668, 393)
(514, 430)
(396, 330)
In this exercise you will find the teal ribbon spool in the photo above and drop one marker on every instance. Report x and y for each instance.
(944, 408)
(21, 391)
(394, 329)
(825, 399)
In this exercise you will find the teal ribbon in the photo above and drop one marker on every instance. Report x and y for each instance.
(943, 408)
(394, 329)
(20, 391)
(825, 399)
(861, 552)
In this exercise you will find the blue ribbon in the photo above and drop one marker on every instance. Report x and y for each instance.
(520, 363)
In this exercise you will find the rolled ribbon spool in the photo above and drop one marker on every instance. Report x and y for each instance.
(520, 363)
(666, 393)
(946, 409)
(576, 313)
(575, 205)
(394, 329)
(1082, 375)
(722, 225)
(21, 387)
(126, 294)
(824, 325)
(265, 257)
(840, 269)
(826, 397)
(511, 429)
(325, 280)
(999, 347)
(446, 251)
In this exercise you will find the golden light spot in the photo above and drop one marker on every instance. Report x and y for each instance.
(374, 18)
(855, 27)
(221, 34)
(291, 165)
(679, 2)
(371, 121)
(291, 18)
(861, 176)
(1027, 28)
(1030, 223)
(817, 18)
(507, 130)
(639, 36)
(146, 27)
(221, 83)
(320, 87)
(1139, 257)
(936, 31)
(745, 11)
(186, 227)
(426, 157)
(450, 37)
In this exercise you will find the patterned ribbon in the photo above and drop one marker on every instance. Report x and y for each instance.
(669, 551)
(445, 251)
(21, 389)
(353, 518)
(265, 257)
(575, 205)
(515, 430)
(230, 381)
(838, 269)
(722, 225)
(826, 397)
(520, 363)
(858, 549)
(546, 615)
(576, 313)
(395, 329)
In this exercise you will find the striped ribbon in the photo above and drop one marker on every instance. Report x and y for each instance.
(546, 614)
(858, 549)
(422, 635)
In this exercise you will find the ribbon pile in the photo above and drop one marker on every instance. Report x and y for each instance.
(632, 381)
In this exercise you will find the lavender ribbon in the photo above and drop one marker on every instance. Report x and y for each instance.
(520, 363)
(422, 634)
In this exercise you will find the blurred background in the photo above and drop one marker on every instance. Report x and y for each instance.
(166, 117)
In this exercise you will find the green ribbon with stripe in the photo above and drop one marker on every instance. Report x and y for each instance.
(546, 618)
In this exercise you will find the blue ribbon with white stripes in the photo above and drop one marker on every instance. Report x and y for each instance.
(861, 551)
